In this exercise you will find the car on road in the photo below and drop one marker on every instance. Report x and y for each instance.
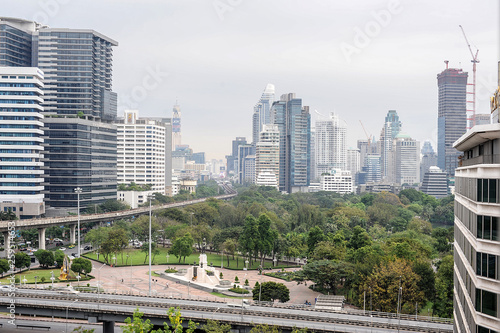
(62, 248)
(71, 246)
(87, 248)
(59, 243)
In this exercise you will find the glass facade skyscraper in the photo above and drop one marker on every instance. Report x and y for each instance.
(294, 124)
(79, 108)
(452, 118)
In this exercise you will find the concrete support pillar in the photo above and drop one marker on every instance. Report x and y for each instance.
(108, 327)
(41, 238)
(72, 238)
(6, 241)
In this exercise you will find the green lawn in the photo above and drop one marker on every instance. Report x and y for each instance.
(30, 276)
(137, 257)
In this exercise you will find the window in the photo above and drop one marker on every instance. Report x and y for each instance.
(486, 302)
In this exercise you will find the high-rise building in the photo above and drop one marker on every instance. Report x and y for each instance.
(476, 295)
(262, 112)
(406, 156)
(294, 124)
(330, 144)
(246, 152)
(267, 154)
(232, 160)
(176, 127)
(16, 41)
(79, 108)
(429, 158)
(21, 145)
(367, 147)
(391, 128)
(141, 151)
(372, 169)
(353, 161)
(452, 118)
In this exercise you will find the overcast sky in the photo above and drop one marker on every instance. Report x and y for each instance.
(356, 58)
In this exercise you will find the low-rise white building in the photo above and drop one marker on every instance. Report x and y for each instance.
(339, 181)
(134, 198)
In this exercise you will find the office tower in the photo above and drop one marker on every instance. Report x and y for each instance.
(167, 122)
(141, 151)
(429, 158)
(245, 152)
(176, 127)
(294, 124)
(15, 42)
(79, 108)
(476, 295)
(198, 158)
(372, 169)
(435, 183)
(406, 156)
(330, 145)
(312, 159)
(21, 130)
(452, 119)
(232, 160)
(267, 153)
(367, 147)
(353, 161)
(391, 128)
(248, 173)
(337, 180)
(262, 112)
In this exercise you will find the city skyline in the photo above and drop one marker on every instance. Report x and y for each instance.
(215, 61)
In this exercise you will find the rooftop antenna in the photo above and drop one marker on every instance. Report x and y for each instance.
(446, 62)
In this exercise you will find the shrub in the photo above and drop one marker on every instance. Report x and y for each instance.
(170, 270)
(17, 280)
(43, 279)
(246, 282)
(236, 279)
(221, 275)
(238, 290)
(210, 273)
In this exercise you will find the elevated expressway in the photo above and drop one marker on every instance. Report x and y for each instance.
(41, 224)
(110, 308)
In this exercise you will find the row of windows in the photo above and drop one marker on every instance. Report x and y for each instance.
(18, 176)
(19, 135)
(477, 189)
(17, 85)
(12, 209)
(19, 184)
(481, 226)
(16, 101)
(18, 93)
(19, 110)
(20, 118)
(20, 143)
(18, 167)
(486, 302)
(17, 77)
(481, 329)
(486, 265)
(19, 126)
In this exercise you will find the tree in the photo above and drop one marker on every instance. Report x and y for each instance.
(174, 316)
(97, 236)
(59, 257)
(443, 306)
(8, 216)
(271, 291)
(45, 258)
(154, 250)
(81, 265)
(264, 328)
(22, 260)
(266, 237)
(385, 283)
(314, 236)
(328, 274)
(359, 238)
(213, 326)
(248, 240)
(137, 324)
(182, 247)
(113, 206)
(80, 329)
(114, 243)
(4, 266)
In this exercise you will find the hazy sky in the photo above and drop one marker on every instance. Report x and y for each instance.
(356, 58)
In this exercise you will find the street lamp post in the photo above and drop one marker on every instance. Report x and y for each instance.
(150, 197)
(52, 278)
(98, 285)
(167, 257)
(36, 277)
(78, 190)
(67, 314)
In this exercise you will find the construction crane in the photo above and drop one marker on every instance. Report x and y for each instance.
(368, 136)
(474, 62)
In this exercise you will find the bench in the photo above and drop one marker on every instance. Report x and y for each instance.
(34, 327)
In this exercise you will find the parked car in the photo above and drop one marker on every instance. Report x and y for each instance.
(87, 248)
(59, 243)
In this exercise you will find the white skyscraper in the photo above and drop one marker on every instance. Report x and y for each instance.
(141, 151)
(404, 160)
(21, 123)
(330, 145)
(176, 127)
(267, 155)
(262, 112)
